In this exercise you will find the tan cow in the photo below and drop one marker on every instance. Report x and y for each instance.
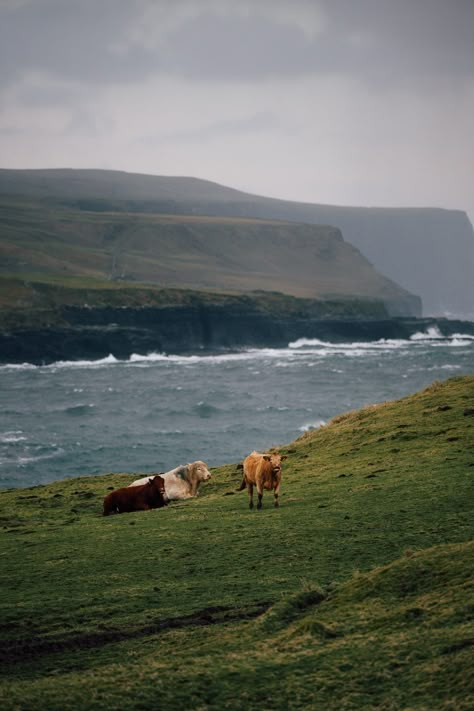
(264, 472)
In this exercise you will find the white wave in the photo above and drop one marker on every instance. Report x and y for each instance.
(247, 355)
(150, 358)
(312, 426)
(303, 342)
(108, 360)
(137, 358)
(302, 347)
(432, 336)
(325, 346)
(241, 355)
(462, 336)
(453, 343)
(29, 459)
(432, 333)
(18, 366)
(12, 437)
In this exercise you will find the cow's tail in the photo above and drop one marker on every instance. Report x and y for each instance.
(244, 483)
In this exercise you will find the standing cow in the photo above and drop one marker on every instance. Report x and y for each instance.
(151, 495)
(264, 472)
(182, 482)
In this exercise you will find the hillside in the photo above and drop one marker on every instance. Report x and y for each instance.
(189, 252)
(356, 593)
(428, 251)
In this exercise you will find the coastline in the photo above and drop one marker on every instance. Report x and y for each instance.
(99, 332)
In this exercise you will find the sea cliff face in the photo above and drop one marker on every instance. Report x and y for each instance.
(88, 333)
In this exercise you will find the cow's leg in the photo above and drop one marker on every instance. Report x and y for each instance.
(275, 494)
(260, 493)
(250, 490)
(139, 506)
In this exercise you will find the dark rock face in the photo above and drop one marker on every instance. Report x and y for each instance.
(96, 333)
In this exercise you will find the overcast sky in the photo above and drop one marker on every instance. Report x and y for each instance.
(350, 102)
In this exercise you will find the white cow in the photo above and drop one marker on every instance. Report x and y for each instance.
(182, 482)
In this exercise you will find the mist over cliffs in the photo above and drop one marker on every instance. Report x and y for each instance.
(427, 251)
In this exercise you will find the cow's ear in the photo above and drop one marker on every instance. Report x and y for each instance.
(267, 457)
(285, 456)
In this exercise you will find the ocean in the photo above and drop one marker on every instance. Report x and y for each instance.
(150, 413)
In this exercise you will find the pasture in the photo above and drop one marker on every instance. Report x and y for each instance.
(356, 593)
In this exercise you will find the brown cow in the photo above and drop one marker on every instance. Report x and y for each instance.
(151, 495)
(264, 472)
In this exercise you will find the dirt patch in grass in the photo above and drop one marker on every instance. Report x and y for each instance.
(19, 650)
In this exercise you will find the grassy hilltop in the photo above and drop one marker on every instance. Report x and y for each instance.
(357, 593)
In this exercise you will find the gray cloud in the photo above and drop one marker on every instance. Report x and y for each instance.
(261, 122)
(343, 101)
(67, 39)
(125, 40)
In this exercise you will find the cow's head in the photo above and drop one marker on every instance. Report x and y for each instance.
(275, 460)
(159, 483)
(200, 471)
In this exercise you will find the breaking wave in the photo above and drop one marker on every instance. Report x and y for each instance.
(432, 337)
(312, 426)
(430, 334)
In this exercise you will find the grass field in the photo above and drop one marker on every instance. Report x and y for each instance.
(357, 593)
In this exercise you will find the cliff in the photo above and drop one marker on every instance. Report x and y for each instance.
(428, 251)
(91, 333)
(237, 255)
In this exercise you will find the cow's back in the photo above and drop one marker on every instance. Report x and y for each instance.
(251, 466)
(136, 498)
(176, 483)
(123, 500)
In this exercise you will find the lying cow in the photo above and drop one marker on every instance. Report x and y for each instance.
(150, 495)
(182, 482)
(264, 472)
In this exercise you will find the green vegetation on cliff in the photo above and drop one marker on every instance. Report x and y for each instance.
(357, 593)
(43, 241)
(43, 301)
(428, 251)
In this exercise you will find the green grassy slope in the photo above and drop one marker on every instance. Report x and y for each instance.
(189, 252)
(355, 593)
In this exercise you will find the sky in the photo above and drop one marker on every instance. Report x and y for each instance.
(347, 102)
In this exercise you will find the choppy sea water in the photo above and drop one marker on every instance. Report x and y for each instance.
(152, 412)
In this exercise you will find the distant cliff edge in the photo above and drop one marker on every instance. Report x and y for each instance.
(196, 323)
